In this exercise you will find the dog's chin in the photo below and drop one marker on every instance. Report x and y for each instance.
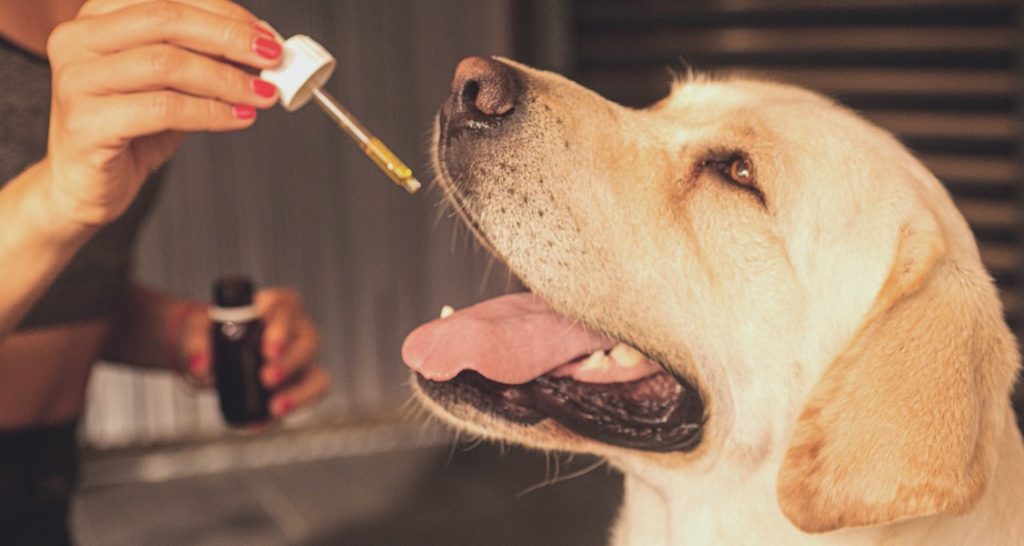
(659, 412)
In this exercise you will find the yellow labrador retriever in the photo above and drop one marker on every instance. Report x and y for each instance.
(761, 308)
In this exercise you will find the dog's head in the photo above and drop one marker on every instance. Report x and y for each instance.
(807, 300)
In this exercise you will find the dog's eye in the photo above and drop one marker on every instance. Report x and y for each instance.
(737, 170)
(741, 171)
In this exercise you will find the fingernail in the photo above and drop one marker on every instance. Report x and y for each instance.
(197, 364)
(271, 377)
(263, 88)
(284, 406)
(244, 111)
(268, 48)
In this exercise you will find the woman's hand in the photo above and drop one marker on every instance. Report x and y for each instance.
(290, 346)
(129, 76)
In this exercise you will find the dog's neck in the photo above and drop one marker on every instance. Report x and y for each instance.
(667, 508)
(663, 507)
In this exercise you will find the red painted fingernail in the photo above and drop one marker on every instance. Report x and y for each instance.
(284, 406)
(197, 364)
(244, 111)
(263, 88)
(267, 48)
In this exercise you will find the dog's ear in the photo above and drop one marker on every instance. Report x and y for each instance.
(902, 423)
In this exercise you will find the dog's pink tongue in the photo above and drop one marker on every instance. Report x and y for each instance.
(510, 339)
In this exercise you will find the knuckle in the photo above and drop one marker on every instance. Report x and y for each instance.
(234, 10)
(90, 8)
(65, 82)
(164, 59)
(230, 80)
(213, 111)
(163, 13)
(166, 106)
(76, 121)
(234, 34)
(58, 41)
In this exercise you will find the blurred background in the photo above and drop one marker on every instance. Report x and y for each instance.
(293, 201)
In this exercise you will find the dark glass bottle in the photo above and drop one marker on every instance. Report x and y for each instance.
(236, 332)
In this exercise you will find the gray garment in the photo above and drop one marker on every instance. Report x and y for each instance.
(92, 285)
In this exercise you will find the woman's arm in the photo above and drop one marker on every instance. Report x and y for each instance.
(35, 244)
(129, 76)
(147, 330)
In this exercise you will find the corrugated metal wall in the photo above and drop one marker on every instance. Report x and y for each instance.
(292, 201)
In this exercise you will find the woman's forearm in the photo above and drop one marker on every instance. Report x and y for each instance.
(146, 328)
(35, 244)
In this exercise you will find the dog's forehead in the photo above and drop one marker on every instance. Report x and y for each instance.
(745, 104)
(739, 92)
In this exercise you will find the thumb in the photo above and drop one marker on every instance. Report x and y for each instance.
(195, 347)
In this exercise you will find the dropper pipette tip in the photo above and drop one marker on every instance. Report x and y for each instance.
(412, 185)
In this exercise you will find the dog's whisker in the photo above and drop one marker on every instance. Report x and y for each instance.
(441, 209)
(472, 444)
(487, 274)
(570, 476)
(547, 465)
(451, 450)
(454, 237)
(508, 280)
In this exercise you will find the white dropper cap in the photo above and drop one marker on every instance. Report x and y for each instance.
(305, 67)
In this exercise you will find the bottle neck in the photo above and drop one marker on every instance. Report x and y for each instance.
(233, 314)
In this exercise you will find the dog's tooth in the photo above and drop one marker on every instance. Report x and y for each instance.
(596, 360)
(625, 355)
(447, 311)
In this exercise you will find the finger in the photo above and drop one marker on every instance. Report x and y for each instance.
(162, 66)
(310, 386)
(165, 22)
(220, 7)
(298, 354)
(195, 347)
(117, 119)
(281, 310)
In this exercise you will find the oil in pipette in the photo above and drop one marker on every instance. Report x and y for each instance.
(384, 158)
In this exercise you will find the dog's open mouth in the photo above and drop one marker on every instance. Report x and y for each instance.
(515, 358)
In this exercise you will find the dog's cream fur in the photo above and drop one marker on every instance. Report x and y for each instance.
(846, 338)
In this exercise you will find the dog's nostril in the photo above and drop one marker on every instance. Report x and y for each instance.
(470, 91)
(481, 89)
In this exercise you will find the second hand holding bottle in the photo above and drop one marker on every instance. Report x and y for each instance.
(305, 68)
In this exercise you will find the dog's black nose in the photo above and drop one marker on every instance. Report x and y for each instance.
(483, 90)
